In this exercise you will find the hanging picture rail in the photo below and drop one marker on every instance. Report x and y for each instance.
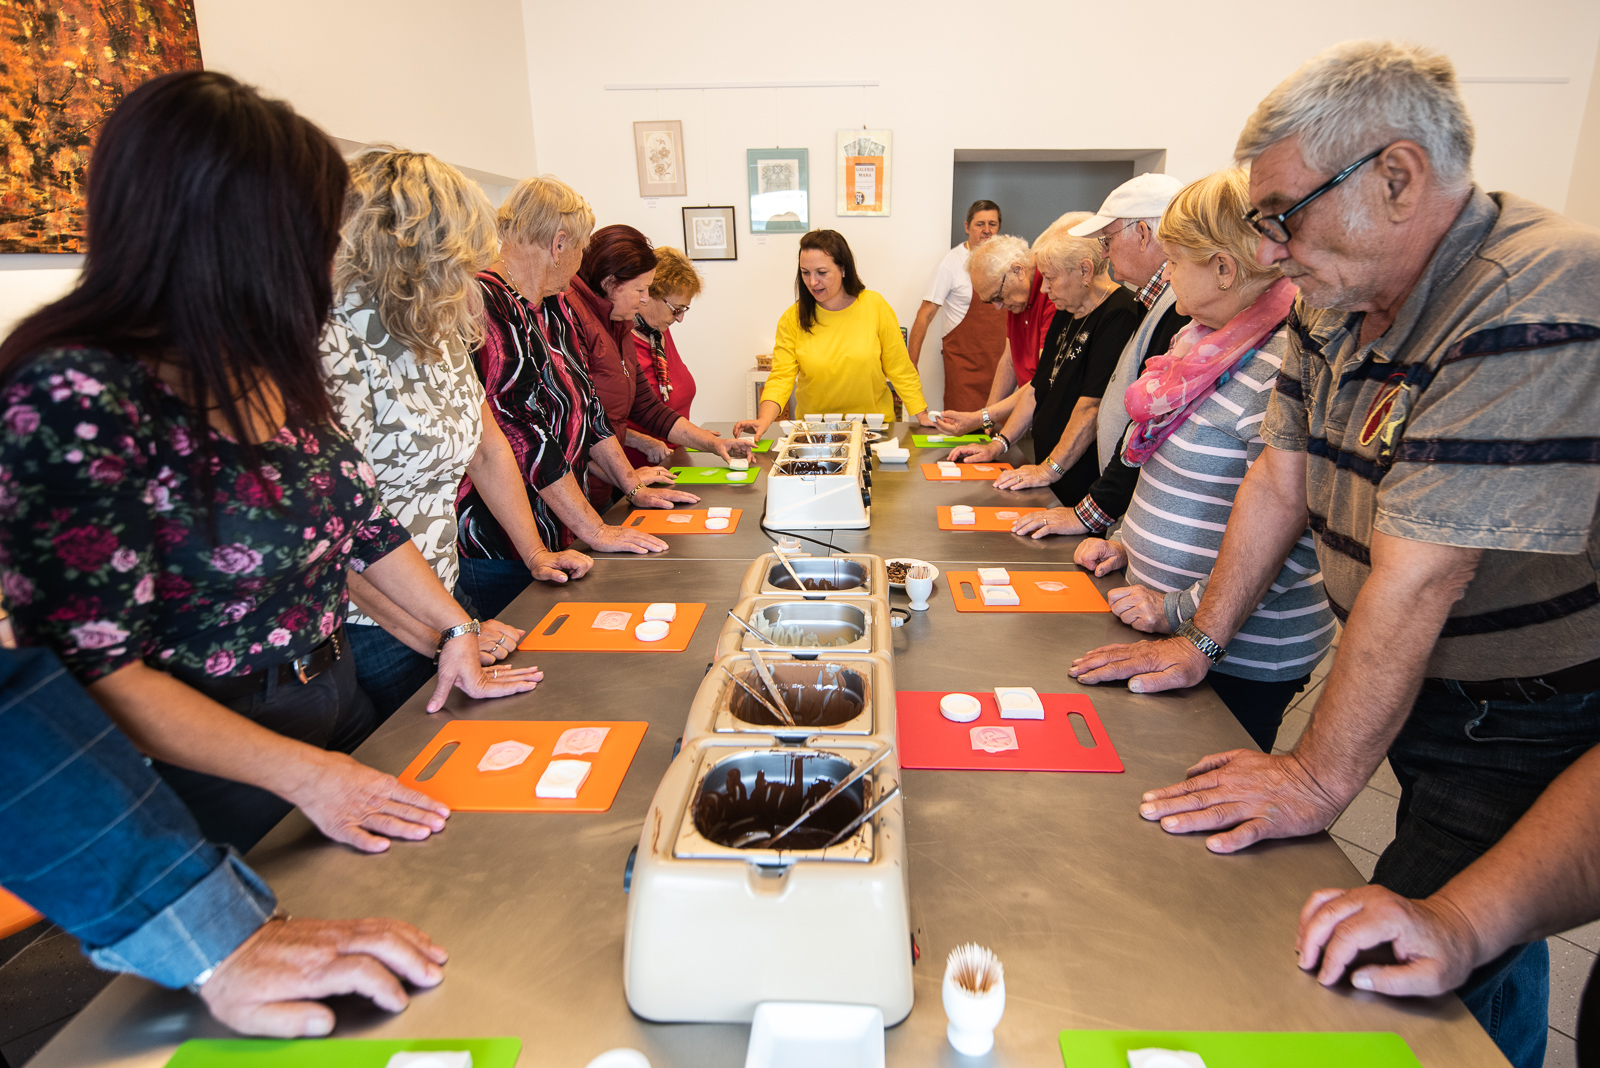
(626, 87)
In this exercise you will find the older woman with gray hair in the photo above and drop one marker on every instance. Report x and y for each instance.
(1093, 321)
(542, 398)
(1003, 274)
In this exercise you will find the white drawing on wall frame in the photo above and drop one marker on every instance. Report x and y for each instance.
(778, 176)
(708, 233)
(661, 156)
(658, 151)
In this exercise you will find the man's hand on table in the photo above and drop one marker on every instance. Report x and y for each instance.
(271, 984)
(1433, 941)
(976, 454)
(1149, 667)
(1257, 795)
(1141, 608)
(649, 497)
(361, 806)
(548, 565)
(653, 475)
(1048, 522)
(1098, 556)
(1028, 476)
(610, 539)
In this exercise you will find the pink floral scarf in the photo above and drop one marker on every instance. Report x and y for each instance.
(1200, 360)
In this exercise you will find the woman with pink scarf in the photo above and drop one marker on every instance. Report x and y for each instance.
(1196, 412)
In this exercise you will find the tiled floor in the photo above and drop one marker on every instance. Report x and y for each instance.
(1366, 828)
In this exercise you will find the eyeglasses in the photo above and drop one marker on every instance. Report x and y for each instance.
(677, 309)
(1000, 294)
(1276, 227)
(1106, 236)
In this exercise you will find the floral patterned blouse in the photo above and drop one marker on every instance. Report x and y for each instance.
(107, 556)
(417, 423)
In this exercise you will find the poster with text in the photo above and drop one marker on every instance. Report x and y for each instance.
(863, 172)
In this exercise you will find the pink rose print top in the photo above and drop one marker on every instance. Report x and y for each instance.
(107, 557)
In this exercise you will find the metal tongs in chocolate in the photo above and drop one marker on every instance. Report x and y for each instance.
(783, 558)
(772, 688)
(850, 827)
(735, 617)
(780, 713)
(883, 750)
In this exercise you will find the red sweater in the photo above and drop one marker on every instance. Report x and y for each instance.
(616, 380)
(683, 388)
(1025, 332)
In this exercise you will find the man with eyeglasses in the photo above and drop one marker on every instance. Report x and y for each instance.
(974, 335)
(1126, 225)
(1435, 421)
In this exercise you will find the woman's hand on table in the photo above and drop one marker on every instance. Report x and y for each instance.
(1249, 796)
(649, 476)
(923, 419)
(750, 428)
(1028, 476)
(655, 450)
(958, 423)
(1434, 942)
(1141, 608)
(980, 454)
(363, 807)
(1097, 555)
(648, 497)
(609, 539)
(1047, 522)
(496, 641)
(273, 983)
(459, 667)
(548, 565)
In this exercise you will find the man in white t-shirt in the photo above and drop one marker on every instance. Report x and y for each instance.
(973, 334)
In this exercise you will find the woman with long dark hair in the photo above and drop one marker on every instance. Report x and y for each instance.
(839, 346)
(178, 508)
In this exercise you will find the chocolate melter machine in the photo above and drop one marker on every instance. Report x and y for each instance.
(821, 478)
(732, 893)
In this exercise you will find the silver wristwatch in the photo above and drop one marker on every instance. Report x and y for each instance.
(1201, 641)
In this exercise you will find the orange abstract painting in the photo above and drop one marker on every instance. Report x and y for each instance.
(64, 65)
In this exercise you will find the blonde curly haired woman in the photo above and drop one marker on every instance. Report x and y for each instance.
(396, 353)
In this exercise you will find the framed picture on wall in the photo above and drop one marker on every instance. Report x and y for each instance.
(863, 172)
(708, 234)
(780, 182)
(658, 147)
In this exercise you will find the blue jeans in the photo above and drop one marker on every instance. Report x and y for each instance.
(388, 669)
(493, 584)
(1258, 706)
(1468, 770)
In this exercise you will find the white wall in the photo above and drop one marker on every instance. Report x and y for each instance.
(1583, 195)
(1061, 75)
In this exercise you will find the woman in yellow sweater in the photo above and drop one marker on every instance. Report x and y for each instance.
(838, 346)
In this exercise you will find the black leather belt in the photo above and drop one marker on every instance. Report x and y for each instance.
(1579, 678)
(300, 670)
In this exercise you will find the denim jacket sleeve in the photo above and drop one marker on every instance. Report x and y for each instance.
(100, 845)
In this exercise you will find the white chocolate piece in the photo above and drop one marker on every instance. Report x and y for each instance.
(431, 1058)
(988, 576)
(666, 611)
(992, 739)
(1051, 587)
(576, 741)
(949, 472)
(738, 476)
(1019, 702)
(959, 707)
(719, 513)
(962, 508)
(652, 630)
(738, 463)
(983, 467)
(935, 437)
(503, 755)
(611, 621)
(964, 519)
(1155, 1057)
(1008, 514)
(999, 595)
(715, 523)
(934, 415)
(679, 517)
(562, 779)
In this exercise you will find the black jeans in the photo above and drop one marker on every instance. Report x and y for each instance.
(1468, 770)
(330, 712)
(1258, 706)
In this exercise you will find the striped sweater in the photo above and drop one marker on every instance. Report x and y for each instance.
(1173, 527)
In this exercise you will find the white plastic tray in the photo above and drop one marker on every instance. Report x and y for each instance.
(806, 1034)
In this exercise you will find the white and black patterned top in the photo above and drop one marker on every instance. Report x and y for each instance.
(417, 423)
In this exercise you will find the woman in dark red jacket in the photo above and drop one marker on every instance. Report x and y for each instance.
(609, 289)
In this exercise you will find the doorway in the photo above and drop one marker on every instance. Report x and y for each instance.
(1035, 187)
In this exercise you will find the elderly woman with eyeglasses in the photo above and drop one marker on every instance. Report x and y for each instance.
(1004, 275)
(1094, 319)
(675, 285)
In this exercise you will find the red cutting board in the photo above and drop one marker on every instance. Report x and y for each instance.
(458, 782)
(1079, 596)
(985, 518)
(659, 521)
(986, 472)
(577, 633)
(928, 740)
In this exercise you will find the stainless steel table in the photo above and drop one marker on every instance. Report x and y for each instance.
(1101, 919)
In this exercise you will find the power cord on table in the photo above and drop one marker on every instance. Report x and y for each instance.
(773, 534)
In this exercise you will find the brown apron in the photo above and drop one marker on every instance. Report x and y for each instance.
(971, 352)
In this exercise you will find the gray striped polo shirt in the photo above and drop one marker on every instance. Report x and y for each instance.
(1173, 528)
(1472, 421)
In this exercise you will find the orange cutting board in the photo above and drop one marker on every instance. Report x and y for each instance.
(659, 521)
(985, 518)
(458, 782)
(1079, 596)
(969, 472)
(577, 633)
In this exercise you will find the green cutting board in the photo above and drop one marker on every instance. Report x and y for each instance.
(764, 445)
(965, 439)
(1244, 1049)
(714, 476)
(334, 1052)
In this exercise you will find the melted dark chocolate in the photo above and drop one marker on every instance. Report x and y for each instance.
(811, 467)
(823, 700)
(725, 816)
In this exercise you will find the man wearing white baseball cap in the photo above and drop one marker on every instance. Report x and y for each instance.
(1126, 224)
